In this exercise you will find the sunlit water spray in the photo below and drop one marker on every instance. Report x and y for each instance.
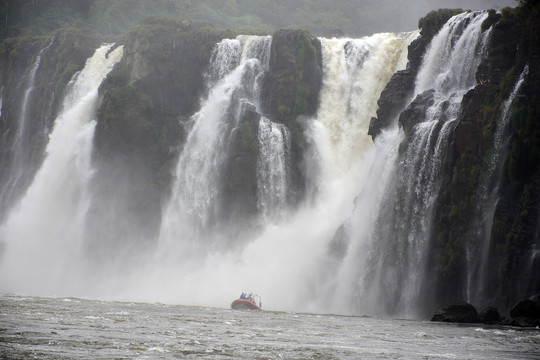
(41, 237)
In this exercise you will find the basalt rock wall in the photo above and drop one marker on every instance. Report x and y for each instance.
(462, 238)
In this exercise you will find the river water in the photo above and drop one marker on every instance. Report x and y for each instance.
(69, 328)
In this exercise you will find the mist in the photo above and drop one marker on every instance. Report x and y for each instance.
(322, 18)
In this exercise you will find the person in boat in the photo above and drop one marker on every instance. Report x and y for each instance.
(242, 296)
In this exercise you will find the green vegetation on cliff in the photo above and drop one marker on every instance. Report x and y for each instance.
(153, 90)
(434, 21)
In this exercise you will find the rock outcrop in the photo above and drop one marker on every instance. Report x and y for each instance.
(508, 271)
(291, 89)
(459, 313)
(416, 111)
(489, 315)
(239, 203)
(399, 90)
(526, 313)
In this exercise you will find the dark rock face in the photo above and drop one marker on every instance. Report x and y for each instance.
(459, 313)
(489, 315)
(16, 64)
(291, 89)
(399, 90)
(393, 99)
(240, 174)
(166, 59)
(416, 111)
(517, 216)
(432, 23)
(527, 309)
(508, 276)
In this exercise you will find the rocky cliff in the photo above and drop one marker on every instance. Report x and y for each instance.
(461, 208)
(399, 90)
(513, 233)
(291, 90)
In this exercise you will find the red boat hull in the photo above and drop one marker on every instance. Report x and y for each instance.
(244, 304)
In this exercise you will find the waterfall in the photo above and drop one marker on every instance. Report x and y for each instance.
(386, 244)
(459, 45)
(192, 218)
(228, 54)
(351, 89)
(19, 168)
(283, 260)
(359, 244)
(487, 200)
(1, 99)
(350, 169)
(273, 168)
(42, 234)
(450, 63)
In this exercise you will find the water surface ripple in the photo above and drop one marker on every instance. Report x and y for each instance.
(68, 328)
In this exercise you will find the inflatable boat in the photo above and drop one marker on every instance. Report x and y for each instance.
(247, 302)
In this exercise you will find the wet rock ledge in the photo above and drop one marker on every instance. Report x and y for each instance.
(526, 313)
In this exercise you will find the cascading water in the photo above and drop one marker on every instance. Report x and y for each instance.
(23, 118)
(378, 197)
(273, 168)
(18, 172)
(270, 262)
(194, 210)
(356, 72)
(390, 269)
(1, 99)
(487, 201)
(350, 90)
(41, 235)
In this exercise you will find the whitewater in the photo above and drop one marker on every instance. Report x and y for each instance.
(43, 234)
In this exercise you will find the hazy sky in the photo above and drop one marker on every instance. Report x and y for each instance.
(411, 11)
(472, 4)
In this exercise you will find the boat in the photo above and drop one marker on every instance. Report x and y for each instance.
(248, 302)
